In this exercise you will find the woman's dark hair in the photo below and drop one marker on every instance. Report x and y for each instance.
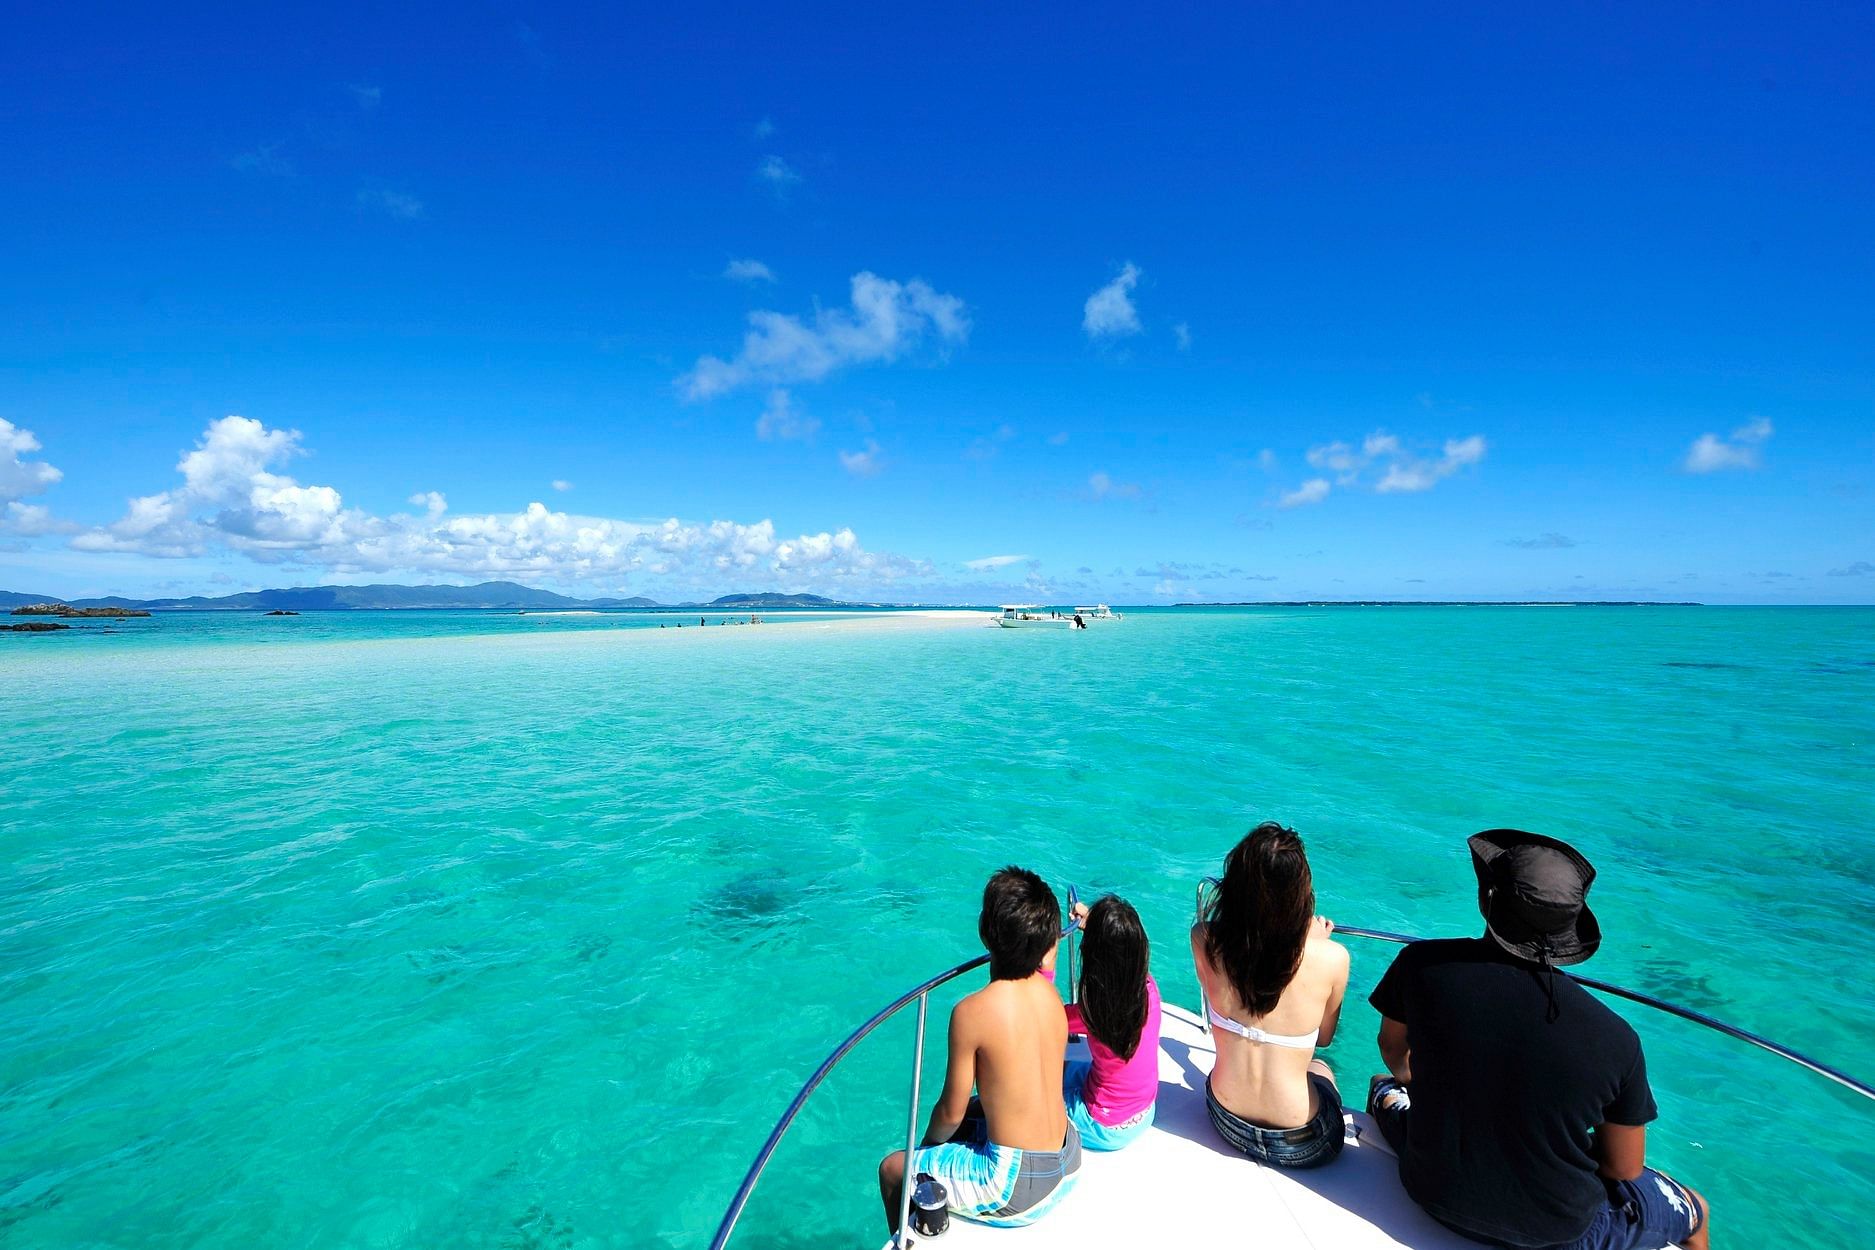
(1114, 962)
(1020, 923)
(1258, 921)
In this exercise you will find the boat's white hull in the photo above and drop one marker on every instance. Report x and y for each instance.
(1034, 622)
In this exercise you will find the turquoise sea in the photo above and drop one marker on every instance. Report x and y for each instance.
(470, 930)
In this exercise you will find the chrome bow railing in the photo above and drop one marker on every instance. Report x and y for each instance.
(1634, 996)
(918, 994)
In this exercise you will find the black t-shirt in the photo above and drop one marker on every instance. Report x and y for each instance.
(1498, 1141)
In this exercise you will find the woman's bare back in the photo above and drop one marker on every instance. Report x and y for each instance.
(1263, 1083)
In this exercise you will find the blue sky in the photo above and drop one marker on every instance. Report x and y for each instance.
(1064, 304)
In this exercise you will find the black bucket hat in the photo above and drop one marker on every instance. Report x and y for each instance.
(1534, 896)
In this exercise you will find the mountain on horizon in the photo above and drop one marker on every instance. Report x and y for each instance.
(382, 597)
(774, 599)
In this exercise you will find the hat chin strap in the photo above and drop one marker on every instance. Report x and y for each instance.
(1549, 966)
(1549, 984)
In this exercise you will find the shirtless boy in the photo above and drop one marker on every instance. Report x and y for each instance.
(1007, 1155)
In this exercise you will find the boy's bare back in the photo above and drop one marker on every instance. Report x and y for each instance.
(1020, 1035)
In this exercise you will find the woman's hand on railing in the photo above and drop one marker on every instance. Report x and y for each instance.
(1078, 913)
(1326, 925)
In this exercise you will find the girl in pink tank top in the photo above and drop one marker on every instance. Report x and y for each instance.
(1111, 1094)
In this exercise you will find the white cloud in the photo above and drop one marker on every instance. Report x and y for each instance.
(399, 204)
(1266, 460)
(1312, 491)
(32, 520)
(886, 320)
(232, 499)
(561, 484)
(368, 98)
(747, 270)
(777, 173)
(863, 463)
(20, 477)
(1710, 453)
(1401, 470)
(1410, 474)
(986, 563)
(1104, 487)
(229, 494)
(1346, 462)
(1058, 439)
(1109, 312)
(1861, 568)
(1181, 334)
(764, 128)
(780, 419)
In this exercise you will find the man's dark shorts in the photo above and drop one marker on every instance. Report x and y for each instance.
(1648, 1212)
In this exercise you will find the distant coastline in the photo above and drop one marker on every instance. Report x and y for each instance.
(484, 596)
(514, 597)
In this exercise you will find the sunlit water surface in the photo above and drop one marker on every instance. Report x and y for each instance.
(449, 929)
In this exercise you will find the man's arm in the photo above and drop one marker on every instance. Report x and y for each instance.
(960, 1078)
(1394, 1051)
(1621, 1150)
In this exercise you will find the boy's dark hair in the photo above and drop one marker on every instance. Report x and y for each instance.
(1020, 923)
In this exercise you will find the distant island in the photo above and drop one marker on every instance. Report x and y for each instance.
(57, 608)
(491, 596)
(514, 597)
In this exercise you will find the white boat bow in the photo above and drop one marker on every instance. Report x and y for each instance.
(1180, 1186)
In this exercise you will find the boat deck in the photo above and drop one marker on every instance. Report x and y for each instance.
(1180, 1186)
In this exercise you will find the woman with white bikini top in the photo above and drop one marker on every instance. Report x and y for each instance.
(1273, 982)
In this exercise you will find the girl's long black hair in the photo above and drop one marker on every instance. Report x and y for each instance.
(1258, 921)
(1115, 958)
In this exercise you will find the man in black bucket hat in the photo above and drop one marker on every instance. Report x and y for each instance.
(1516, 1102)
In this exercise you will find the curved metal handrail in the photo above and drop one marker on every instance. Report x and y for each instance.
(898, 1004)
(917, 994)
(1634, 996)
(1673, 1009)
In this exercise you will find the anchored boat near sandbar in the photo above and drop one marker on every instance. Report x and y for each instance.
(1029, 616)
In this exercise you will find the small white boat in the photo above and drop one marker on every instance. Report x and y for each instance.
(1099, 612)
(1029, 616)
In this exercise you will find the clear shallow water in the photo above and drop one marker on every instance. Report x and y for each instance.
(432, 929)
